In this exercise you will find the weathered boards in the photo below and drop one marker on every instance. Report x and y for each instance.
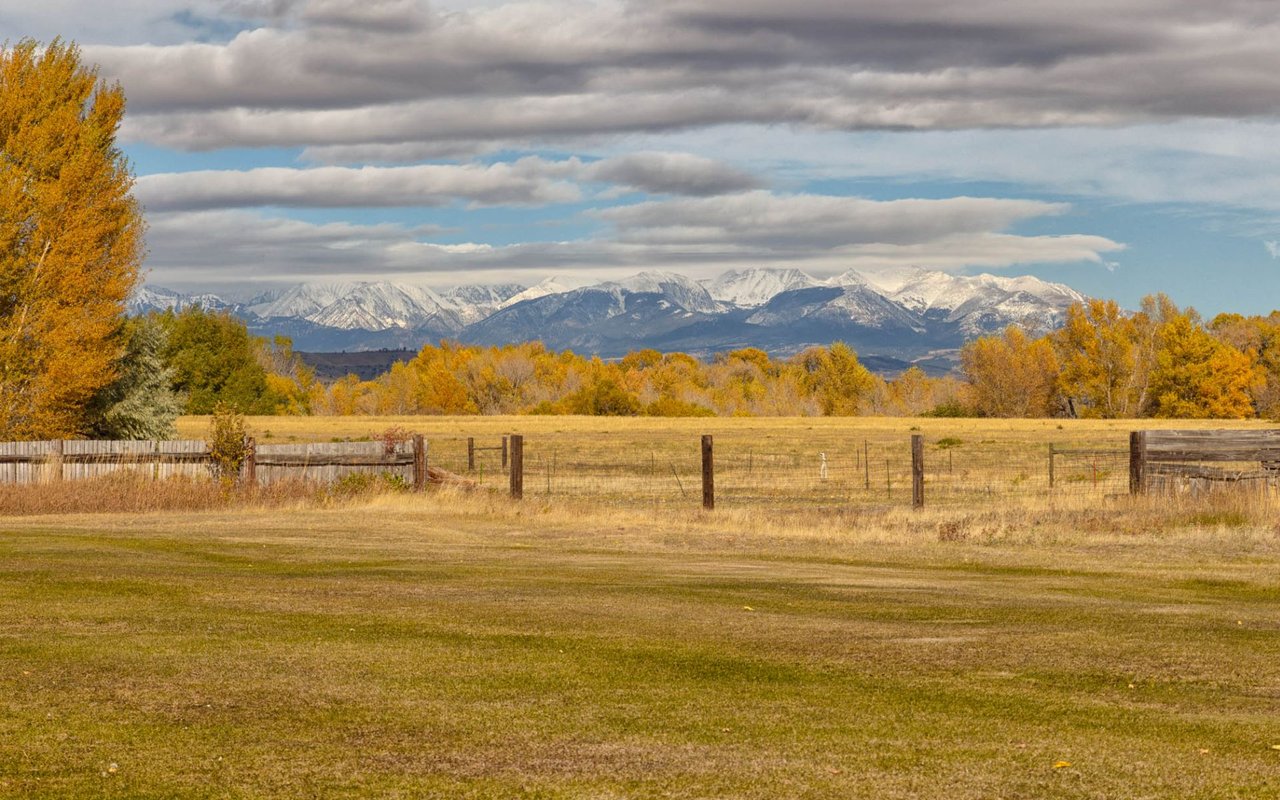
(1172, 454)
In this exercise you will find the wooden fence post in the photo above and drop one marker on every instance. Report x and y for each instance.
(54, 464)
(1051, 455)
(1137, 462)
(708, 474)
(419, 463)
(917, 470)
(251, 461)
(471, 454)
(866, 463)
(504, 452)
(517, 467)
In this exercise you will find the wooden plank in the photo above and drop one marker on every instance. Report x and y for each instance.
(1208, 473)
(335, 460)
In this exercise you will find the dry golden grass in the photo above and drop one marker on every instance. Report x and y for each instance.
(769, 463)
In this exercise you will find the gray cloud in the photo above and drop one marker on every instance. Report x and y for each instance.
(672, 173)
(526, 182)
(394, 73)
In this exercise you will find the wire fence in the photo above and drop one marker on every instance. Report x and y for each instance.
(795, 471)
(781, 469)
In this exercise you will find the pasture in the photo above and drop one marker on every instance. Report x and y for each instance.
(458, 644)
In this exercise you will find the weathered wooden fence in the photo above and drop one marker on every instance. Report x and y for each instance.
(48, 461)
(1198, 459)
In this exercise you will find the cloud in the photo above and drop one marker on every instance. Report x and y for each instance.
(700, 236)
(525, 182)
(672, 173)
(1273, 248)
(816, 222)
(398, 72)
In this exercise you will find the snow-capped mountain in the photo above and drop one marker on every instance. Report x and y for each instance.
(752, 288)
(984, 303)
(474, 303)
(148, 298)
(556, 284)
(684, 292)
(898, 316)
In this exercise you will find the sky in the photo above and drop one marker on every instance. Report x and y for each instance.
(1124, 147)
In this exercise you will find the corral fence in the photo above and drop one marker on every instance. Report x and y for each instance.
(742, 469)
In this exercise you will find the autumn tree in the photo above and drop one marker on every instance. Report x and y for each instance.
(1104, 365)
(70, 239)
(838, 382)
(1011, 375)
(1258, 337)
(1199, 377)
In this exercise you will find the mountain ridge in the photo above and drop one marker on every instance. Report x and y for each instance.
(910, 315)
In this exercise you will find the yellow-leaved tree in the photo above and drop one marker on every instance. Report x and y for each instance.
(1199, 377)
(70, 239)
(1012, 375)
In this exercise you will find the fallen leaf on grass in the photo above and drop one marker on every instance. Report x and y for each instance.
(1061, 764)
(748, 608)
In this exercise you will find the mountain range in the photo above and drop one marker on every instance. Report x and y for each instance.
(911, 316)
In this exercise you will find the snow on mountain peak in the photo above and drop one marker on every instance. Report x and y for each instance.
(751, 288)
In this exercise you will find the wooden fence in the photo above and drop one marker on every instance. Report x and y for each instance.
(48, 461)
(1199, 458)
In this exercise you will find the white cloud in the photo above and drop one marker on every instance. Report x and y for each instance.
(699, 236)
(1273, 248)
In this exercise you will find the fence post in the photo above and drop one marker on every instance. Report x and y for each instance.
(251, 461)
(419, 463)
(1137, 462)
(471, 454)
(54, 462)
(517, 467)
(917, 470)
(708, 474)
(866, 463)
(1051, 455)
(504, 452)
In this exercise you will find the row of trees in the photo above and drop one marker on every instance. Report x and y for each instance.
(529, 379)
(1162, 361)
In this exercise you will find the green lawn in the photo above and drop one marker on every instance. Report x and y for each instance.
(405, 651)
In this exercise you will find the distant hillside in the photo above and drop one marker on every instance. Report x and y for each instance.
(367, 364)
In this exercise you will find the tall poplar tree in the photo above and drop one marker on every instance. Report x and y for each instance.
(70, 239)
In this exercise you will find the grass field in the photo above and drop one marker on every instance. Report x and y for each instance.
(469, 647)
